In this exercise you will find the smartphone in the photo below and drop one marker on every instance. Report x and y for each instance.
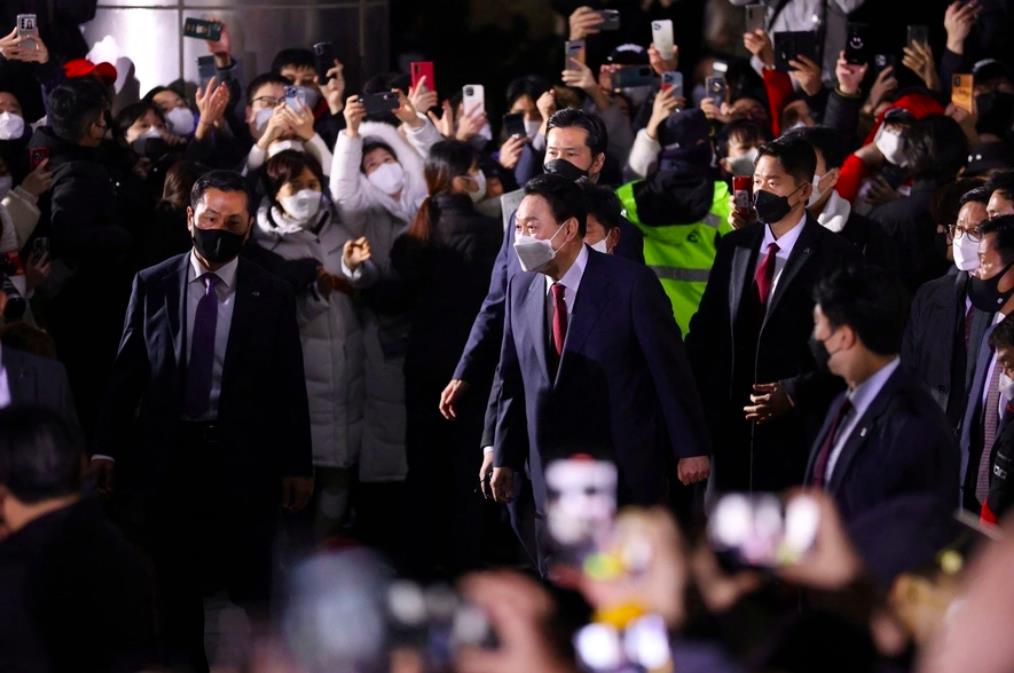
(673, 79)
(856, 51)
(574, 51)
(756, 17)
(742, 193)
(324, 58)
(380, 103)
(28, 28)
(760, 531)
(610, 19)
(514, 125)
(36, 155)
(206, 69)
(40, 247)
(662, 37)
(790, 45)
(719, 68)
(717, 89)
(202, 30)
(634, 76)
(918, 34)
(294, 98)
(420, 69)
(473, 98)
(962, 88)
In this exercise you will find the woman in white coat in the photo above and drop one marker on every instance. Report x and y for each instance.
(296, 221)
(377, 183)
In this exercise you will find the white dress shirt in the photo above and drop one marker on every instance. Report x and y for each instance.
(785, 245)
(5, 389)
(226, 289)
(861, 397)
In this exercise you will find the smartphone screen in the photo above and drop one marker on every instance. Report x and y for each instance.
(742, 192)
(855, 44)
(662, 37)
(610, 19)
(918, 34)
(514, 125)
(202, 30)
(575, 51)
(717, 89)
(206, 69)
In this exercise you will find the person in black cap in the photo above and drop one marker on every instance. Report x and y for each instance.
(680, 208)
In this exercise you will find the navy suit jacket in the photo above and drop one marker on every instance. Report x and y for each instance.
(623, 389)
(903, 445)
(263, 411)
(38, 382)
(971, 438)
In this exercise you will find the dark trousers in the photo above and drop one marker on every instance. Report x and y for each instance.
(208, 534)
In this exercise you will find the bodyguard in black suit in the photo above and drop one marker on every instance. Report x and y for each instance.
(944, 332)
(748, 343)
(210, 372)
(885, 437)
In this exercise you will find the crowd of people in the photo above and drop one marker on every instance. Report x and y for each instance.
(714, 376)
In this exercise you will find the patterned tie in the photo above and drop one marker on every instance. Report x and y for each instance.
(559, 317)
(765, 274)
(827, 446)
(990, 424)
(197, 394)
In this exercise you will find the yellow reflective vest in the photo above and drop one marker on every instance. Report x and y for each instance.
(681, 255)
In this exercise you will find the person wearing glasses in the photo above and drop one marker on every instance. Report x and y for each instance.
(945, 358)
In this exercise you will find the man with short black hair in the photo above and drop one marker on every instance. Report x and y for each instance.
(591, 361)
(884, 438)
(605, 217)
(748, 342)
(325, 99)
(74, 595)
(209, 376)
(1001, 194)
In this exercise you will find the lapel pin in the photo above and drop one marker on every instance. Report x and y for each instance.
(255, 293)
(862, 432)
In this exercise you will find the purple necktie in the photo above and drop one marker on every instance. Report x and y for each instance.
(197, 396)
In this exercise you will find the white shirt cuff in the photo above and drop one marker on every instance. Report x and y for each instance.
(102, 456)
(350, 274)
(486, 450)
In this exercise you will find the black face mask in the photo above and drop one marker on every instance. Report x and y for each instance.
(996, 112)
(985, 294)
(152, 148)
(217, 245)
(564, 169)
(820, 354)
(771, 207)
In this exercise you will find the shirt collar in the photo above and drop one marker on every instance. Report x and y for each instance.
(788, 239)
(572, 279)
(226, 274)
(863, 395)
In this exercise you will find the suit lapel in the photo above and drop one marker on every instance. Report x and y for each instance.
(244, 324)
(797, 260)
(20, 379)
(860, 433)
(743, 259)
(533, 314)
(592, 297)
(175, 300)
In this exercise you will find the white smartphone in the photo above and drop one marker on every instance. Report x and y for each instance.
(662, 37)
(473, 98)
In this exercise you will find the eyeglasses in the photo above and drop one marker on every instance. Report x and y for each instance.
(957, 231)
(268, 101)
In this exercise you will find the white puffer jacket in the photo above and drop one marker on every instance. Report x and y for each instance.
(332, 336)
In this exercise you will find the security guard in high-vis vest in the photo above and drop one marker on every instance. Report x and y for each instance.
(681, 210)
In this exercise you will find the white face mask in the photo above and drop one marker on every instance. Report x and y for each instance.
(815, 193)
(261, 119)
(12, 126)
(388, 178)
(151, 132)
(600, 246)
(302, 205)
(181, 121)
(6, 185)
(535, 253)
(281, 145)
(966, 253)
(744, 165)
(532, 128)
(1006, 385)
(891, 146)
(480, 191)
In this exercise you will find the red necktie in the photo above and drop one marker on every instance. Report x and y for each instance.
(827, 446)
(765, 274)
(559, 317)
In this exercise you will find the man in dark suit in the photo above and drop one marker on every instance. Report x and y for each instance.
(1001, 473)
(944, 359)
(992, 288)
(210, 372)
(748, 343)
(29, 380)
(592, 361)
(74, 595)
(885, 437)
